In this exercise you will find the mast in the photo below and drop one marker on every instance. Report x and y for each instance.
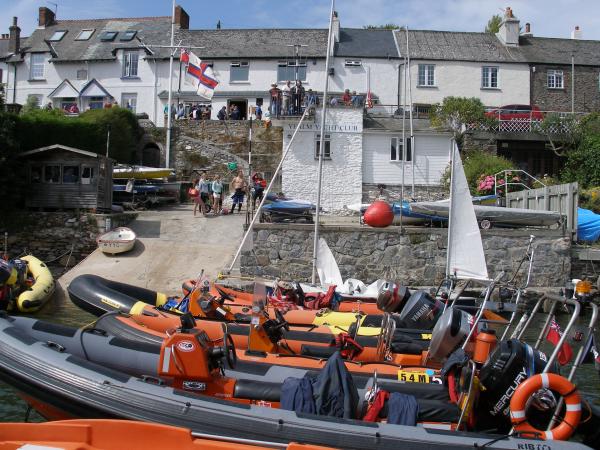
(410, 113)
(322, 145)
(170, 100)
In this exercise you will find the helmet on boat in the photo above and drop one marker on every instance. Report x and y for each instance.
(8, 273)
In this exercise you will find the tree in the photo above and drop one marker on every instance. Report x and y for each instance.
(387, 26)
(493, 25)
(562, 133)
(455, 113)
(583, 153)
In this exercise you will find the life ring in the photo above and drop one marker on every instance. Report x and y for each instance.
(558, 384)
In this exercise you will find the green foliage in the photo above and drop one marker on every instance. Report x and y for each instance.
(456, 112)
(563, 133)
(40, 128)
(478, 164)
(583, 162)
(590, 199)
(493, 25)
(387, 26)
(30, 105)
(11, 170)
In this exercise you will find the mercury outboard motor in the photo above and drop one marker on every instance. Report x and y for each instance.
(421, 311)
(392, 297)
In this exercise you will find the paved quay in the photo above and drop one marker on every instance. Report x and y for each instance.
(172, 246)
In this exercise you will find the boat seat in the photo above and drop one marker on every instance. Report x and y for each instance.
(424, 391)
(257, 390)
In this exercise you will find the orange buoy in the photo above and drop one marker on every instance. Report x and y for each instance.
(379, 214)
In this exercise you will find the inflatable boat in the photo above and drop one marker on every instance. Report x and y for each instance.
(192, 382)
(29, 284)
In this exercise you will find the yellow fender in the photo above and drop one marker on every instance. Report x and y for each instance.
(35, 297)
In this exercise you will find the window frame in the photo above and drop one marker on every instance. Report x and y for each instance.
(327, 142)
(290, 66)
(77, 168)
(428, 75)
(33, 65)
(125, 35)
(108, 36)
(79, 74)
(128, 96)
(92, 178)
(55, 38)
(91, 32)
(487, 81)
(130, 70)
(45, 178)
(239, 65)
(551, 74)
(398, 149)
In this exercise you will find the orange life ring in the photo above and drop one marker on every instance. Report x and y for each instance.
(558, 384)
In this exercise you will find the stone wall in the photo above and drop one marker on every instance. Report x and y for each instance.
(391, 192)
(587, 95)
(50, 236)
(416, 256)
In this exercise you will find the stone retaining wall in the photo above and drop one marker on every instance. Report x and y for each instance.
(416, 256)
(392, 192)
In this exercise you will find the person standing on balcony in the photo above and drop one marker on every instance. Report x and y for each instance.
(347, 98)
(275, 93)
(286, 93)
(298, 97)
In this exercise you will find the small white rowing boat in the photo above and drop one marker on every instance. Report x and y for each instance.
(119, 240)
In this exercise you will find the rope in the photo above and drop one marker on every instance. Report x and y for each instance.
(60, 256)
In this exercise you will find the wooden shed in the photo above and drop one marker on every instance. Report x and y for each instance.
(67, 178)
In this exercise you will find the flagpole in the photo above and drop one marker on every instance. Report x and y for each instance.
(322, 146)
(170, 100)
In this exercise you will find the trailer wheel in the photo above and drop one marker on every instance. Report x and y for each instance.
(485, 224)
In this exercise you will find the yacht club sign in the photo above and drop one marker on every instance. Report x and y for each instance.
(339, 127)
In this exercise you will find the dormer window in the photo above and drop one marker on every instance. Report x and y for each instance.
(84, 35)
(57, 36)
(108, 36)
(128, 35)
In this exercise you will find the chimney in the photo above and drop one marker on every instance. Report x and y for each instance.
(4, 36)
(336, 27)
(181, 18)
(527, 32)
(576, 33)
(509, 29)
(46, 17)
(14, 39)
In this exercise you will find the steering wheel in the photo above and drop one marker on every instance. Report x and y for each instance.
(281, 321)
(230, 353)
(224, 295)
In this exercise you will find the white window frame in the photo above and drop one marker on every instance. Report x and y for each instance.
(555, 79)
(291, 65)
(57, 36)
(353, 63)
(130, 97)
(239, 65)
(131, 60)
(37, 66)
(489, 77)
(396, 147)
(326, 142)
(426, 73)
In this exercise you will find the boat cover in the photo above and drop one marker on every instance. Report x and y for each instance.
(588, 225)
(289, 206)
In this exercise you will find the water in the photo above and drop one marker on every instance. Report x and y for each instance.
(13, 409)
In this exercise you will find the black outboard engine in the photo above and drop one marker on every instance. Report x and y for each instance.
(511, 363)
(392, 297)
(421, 311)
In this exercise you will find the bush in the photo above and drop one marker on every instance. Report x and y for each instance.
(479, 165)
(583, 163)
(590, 199)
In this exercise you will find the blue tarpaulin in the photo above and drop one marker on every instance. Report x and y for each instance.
(588, 225)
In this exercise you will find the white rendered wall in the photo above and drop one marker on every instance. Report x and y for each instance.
(431, 155)
(463, 79)
(384, 78)
(342, 175)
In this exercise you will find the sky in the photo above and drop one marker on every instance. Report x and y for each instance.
(549, 18)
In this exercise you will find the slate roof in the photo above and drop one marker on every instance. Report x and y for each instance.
(484, 47)
(366, 43)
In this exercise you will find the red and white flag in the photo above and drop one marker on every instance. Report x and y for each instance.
(198, 74)
(554, 334)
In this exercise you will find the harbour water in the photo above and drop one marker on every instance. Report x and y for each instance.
(13, 409)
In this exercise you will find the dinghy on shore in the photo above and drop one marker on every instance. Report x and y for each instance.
(119, 240)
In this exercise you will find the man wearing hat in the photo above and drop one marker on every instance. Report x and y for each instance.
(275, 99)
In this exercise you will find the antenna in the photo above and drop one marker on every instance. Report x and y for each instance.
(55, 8)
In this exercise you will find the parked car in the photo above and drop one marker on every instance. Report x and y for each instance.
(511, 112)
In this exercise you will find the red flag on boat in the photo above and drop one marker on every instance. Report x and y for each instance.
(554, 334)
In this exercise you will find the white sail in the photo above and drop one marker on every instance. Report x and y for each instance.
(327, 268)
(466, 259)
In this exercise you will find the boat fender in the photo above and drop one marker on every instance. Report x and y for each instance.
(557, 384)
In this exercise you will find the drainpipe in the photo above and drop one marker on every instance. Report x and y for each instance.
(15, 83)
(572, 83)
(155, 93)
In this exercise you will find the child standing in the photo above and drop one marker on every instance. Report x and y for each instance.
(217, 190)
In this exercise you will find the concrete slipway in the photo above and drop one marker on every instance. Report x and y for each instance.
(172, 246)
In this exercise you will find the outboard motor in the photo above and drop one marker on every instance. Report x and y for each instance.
(421, 311)
(392, 297)
(449, 333)
(511, 363)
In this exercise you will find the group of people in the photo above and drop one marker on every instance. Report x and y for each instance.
(349, 99)
(195, 112)
(291, 99)
(233, 113)
(207, 192)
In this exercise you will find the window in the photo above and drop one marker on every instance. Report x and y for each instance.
(555, 79)
(69, 104)
(82, 74)
(108, 36)
(35, 174)
(287, 71)
(36, 68)
(84, 35)
(96, 102)
(129, 101)
(327, 142)
(130, 64)
(34, 100)
(239, 71)
(353, 63)
(88, 175)
(396, 149)
(52, 174)
(128, 35)
(57, 36)
(426, 75)
(70, 174)
(489, 77)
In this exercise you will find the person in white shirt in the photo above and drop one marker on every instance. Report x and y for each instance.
(286, 94)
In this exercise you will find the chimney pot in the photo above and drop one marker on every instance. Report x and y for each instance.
(14, 37)
(182, 18)
(527, 27)
(576, 33)
(46, 17)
